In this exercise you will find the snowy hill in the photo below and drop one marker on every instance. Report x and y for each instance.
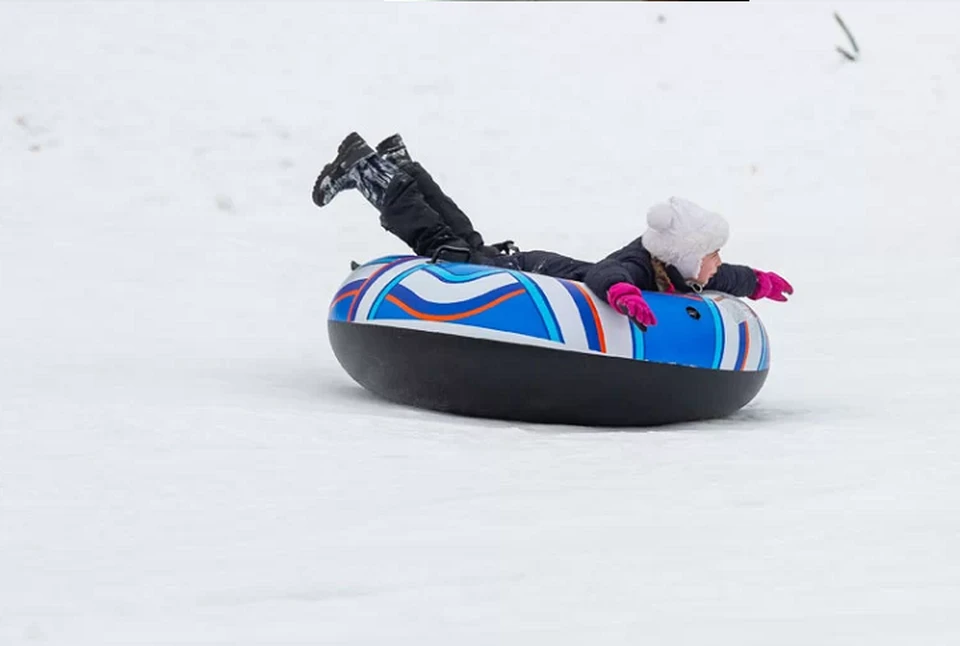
(183, 461)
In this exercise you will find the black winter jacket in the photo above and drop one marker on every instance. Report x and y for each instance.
(631, 264)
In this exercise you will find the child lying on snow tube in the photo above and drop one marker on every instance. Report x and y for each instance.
(679, 252)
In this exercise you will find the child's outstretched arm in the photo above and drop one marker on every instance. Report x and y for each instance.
(743, 281)
(736, 280)
(772, 286)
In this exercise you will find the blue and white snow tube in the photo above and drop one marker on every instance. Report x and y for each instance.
(492, 342)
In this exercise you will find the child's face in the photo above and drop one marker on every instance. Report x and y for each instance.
(708, 267)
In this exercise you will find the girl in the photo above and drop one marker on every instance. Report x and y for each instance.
(679, 251)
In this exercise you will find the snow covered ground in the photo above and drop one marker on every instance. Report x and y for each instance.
(182, 460)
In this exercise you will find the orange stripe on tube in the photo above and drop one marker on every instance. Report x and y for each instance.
(596, 318)
(451, 317)
(746, 347)
(343, 296)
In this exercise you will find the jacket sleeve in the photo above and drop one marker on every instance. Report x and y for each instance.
(736, 280)
(628, 265)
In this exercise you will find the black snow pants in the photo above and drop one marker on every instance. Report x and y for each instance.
(416, 210)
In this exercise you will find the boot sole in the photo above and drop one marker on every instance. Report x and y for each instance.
(351, 151)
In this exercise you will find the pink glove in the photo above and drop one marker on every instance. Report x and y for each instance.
(772, 286)
(626, 298)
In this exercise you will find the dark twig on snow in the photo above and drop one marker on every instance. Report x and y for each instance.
(856, 50)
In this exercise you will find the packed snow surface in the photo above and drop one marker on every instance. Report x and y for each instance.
(183, 461)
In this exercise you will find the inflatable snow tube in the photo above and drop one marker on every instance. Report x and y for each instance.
(491, 342)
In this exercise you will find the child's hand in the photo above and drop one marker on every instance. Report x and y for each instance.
(772, 286)
(626, 298)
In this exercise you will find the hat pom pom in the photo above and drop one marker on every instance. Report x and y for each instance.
(660, 216)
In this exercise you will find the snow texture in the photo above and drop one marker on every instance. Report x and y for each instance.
(183, 461)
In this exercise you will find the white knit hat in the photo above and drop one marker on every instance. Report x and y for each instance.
(682, 233)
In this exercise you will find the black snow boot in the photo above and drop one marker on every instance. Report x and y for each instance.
(340, 173)
(393, 149)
